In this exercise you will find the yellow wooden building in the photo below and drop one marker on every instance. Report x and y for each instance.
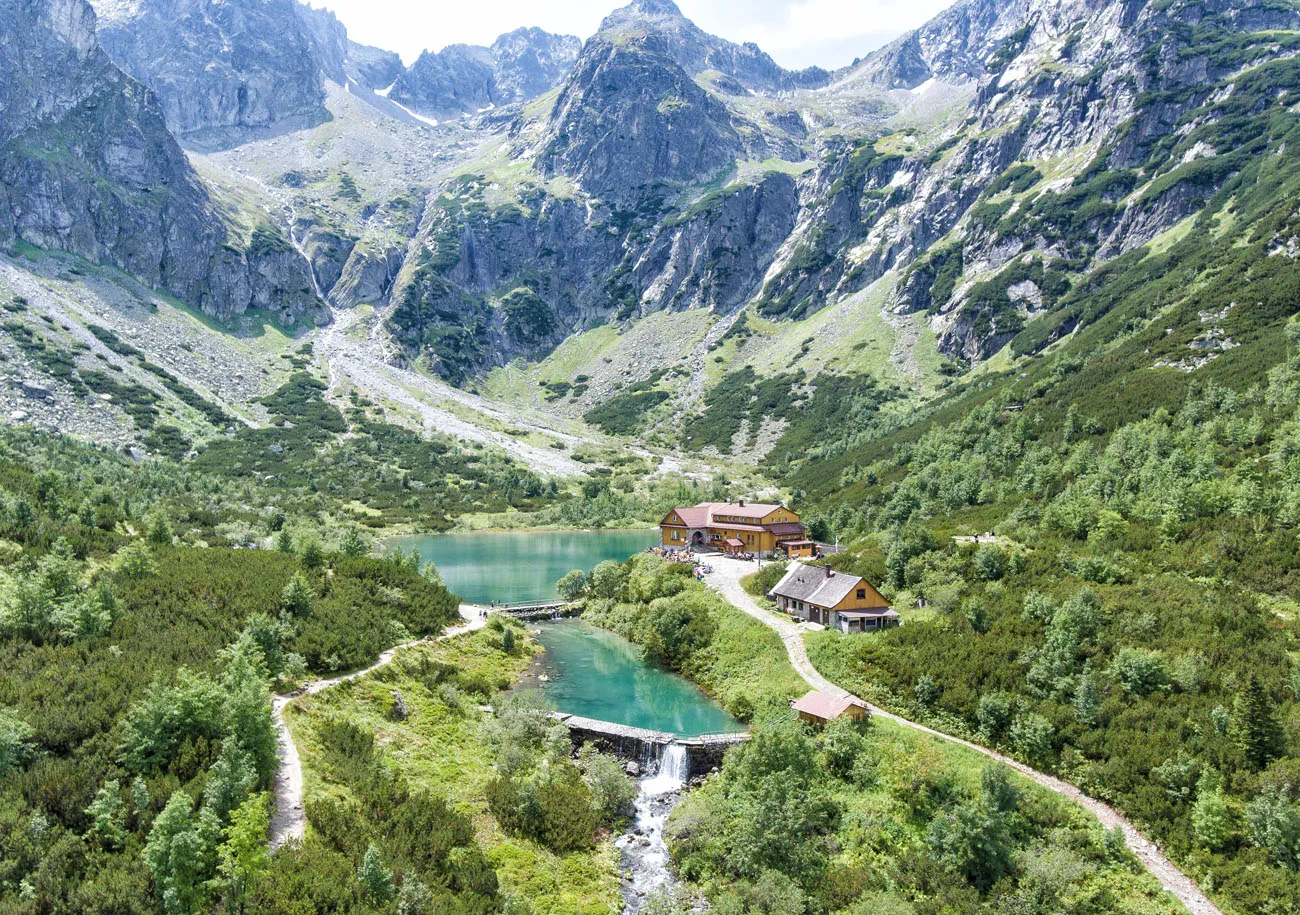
(837, 600)
(734, 527)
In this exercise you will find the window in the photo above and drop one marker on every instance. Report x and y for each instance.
(862, 593)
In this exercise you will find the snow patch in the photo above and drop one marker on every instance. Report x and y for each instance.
(419, 117)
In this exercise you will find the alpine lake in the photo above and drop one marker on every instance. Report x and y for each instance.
(585, 670)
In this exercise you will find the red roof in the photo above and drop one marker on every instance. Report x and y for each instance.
(704, 514)
(695, 516)
(732, 541)
(827, 708)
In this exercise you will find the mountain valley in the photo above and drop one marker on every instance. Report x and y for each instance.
(1008, 309)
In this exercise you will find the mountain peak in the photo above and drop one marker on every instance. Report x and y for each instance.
(697, 51)
(462, 79)
(653, 8)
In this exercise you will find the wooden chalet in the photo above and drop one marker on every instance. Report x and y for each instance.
(833, 599)
(818, 708)
(801, 549)
(732, 527)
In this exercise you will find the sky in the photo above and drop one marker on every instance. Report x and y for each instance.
(797, 33)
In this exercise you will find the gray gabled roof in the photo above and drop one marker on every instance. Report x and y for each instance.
(811, 585)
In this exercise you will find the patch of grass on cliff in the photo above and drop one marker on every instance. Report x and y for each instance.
(624, 413)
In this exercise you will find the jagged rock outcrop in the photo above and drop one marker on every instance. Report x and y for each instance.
(630, 117)
(1106, 86)
(342, 59)
(954, 46)
(373, 263)
(328, 39)
(530, 62)
(466, 79)
(484, 286)
(224, 71)
(87, 166)
(373, 68)
(696, 51)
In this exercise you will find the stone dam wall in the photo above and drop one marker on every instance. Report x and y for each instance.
(646, 747)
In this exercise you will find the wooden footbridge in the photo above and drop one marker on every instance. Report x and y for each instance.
(538, 610)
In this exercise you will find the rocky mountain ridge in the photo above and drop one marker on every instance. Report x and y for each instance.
(468, 79)
(744, 67)
(984, 167)
(1069, 157)
(223, 71)
(88, 166)
(985, 199)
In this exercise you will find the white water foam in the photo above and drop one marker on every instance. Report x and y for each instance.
(645, 855)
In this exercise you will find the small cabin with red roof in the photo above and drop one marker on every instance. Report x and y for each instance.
(761, 528)
(819, 708)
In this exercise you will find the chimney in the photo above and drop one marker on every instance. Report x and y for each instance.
(742, 503)
(829, 573)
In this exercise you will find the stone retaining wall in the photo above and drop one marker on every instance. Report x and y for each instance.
(646, 747)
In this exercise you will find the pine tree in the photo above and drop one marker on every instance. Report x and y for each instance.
(375, 879)
(1257, 730)
(1211, 817)
(1087, 699)
(140, 800)
(312, 556)
(248, 711)
(160, 532)
(180, 854)
(297, 596)
(106, 812)
(353, 544)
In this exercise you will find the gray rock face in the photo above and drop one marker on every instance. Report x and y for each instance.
(954, 46)
(530, 62)
(87, 166)
(372, 265)
(466, 79)
(485, 286)
(224, 71)
(328, 39)
(1050, 77)
(373, 68)
(630, 117)
(341, 59)
(457, 80)
(696, 51)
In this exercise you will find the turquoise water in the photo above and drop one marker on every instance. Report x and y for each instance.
(596, 674)
(520, 566)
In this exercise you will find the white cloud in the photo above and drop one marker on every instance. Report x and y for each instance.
(796, 32)
(829, 33)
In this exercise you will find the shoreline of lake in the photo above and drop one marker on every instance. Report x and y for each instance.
(593, 672)
(520, 567)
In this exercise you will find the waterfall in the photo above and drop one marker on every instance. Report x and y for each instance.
(672, 770)
(645, 855)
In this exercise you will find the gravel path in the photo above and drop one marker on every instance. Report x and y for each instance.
(726, 579)
(456, 412)
(432, 401)
(288, 820)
